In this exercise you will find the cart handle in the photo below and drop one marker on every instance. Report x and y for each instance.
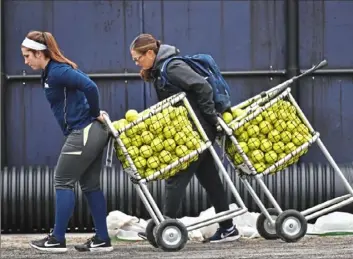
(284, 85)
(275, 90)
(109, 124)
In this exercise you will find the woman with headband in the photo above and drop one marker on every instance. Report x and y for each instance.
(74, 101)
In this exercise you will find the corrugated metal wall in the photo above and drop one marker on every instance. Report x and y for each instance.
(32, 190)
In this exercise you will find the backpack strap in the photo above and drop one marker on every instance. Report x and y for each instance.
(196, 66)
(163, 72)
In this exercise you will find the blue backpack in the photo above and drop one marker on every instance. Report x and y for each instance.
(205, 66)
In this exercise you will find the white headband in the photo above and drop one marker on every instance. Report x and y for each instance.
(31, 44)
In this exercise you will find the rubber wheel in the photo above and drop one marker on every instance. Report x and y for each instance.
(264, 226)
(151, 232)
(291, 226)
(150, 228)
(171, 235)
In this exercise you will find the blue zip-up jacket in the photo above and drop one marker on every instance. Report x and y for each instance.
(72, 95)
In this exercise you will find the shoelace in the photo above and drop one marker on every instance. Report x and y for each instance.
(50, 235)
(90, 240)
(219, 231)
(47, 237)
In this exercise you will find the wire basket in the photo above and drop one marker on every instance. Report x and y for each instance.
(161, 141)
(269, 138)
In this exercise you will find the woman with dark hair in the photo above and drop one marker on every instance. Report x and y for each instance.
(74, 101)
(149, 54)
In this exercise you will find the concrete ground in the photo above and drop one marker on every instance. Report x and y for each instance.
(16, 246)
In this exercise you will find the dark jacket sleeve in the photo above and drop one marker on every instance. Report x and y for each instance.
(182, 75)
(76, 79)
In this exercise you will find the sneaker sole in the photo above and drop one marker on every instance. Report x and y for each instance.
(50, 249)
(97, 249)
(142, 236)
(227, 239)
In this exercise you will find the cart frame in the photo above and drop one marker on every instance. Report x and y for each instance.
(289, 225)
(169, 234)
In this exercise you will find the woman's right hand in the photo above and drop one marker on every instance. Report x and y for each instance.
(101, 118)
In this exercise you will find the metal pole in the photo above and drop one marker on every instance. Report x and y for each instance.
(2, 89)
(292, 42)
(335, 71)
(230, 74)
(137, 75)
(2, 105)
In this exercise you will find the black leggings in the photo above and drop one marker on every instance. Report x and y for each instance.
(209, 178)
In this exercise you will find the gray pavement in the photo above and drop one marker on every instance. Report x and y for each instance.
(16, 246)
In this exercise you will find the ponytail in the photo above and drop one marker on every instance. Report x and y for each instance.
(158, 44)
(52, 50)
(146, 75)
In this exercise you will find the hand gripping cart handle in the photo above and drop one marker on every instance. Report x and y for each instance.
(161, 142)
(270, 135)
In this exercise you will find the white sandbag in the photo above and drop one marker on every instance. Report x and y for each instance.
(334, 222)
(127, 235)
(246, 223)
(194, 235)
(124, 226)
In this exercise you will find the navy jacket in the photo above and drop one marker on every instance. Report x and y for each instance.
(72, 95)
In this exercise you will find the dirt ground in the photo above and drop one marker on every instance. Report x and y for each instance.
(16, 246)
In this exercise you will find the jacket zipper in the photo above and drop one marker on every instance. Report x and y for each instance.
(66, 125)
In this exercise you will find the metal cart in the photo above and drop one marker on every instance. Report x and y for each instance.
(276, 134)
(173, 121)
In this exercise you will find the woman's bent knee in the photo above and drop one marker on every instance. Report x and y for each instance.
(61, 183)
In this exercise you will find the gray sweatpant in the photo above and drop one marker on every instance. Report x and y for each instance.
(81, 158)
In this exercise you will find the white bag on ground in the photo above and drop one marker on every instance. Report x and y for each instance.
(126, 227)
(335, 222)
(246, 223)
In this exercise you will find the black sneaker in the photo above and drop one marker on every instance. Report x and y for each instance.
(142, 235)
(49, 244)
(223, 235)
(95, 244)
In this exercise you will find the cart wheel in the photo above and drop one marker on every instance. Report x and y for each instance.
(171, 235)
(150, 233)
(264, 226)
(291, 226)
